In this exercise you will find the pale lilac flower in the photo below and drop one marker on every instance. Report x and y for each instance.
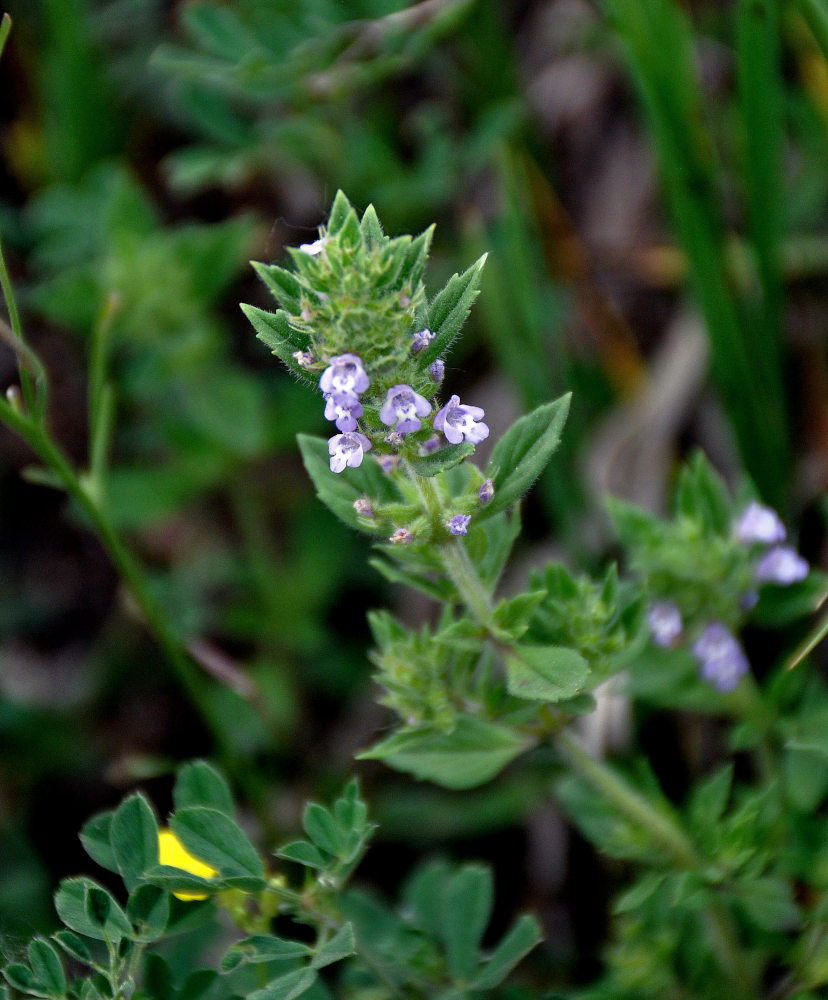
(664, 620)
(758, 523)
(303, 358)
(457, 421)
(421, 340)
(782, 565)
(430, 445)
(486, 491)
(722, 659)
(459, 524)
(344, 409)
(314, 248)
(364, 507)
(388, 463)
(404, 407)
(437, 370)
(402, 536)
(344, 374)
(347, 449)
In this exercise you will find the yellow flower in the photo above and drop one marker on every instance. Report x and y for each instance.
(173, 853)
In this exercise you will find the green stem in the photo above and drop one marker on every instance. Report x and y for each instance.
(673, 840)
(455, 559)
(185, 670)
(21, 348)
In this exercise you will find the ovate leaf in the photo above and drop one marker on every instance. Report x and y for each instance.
(546, 673)
(523, 452)
(471, 754)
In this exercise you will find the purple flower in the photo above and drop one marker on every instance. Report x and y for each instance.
(347, 449)
(459, 524)
(437, 370)
(758, 523)
(457, 421)
(343, 408)
(344, 374)
(664, 620)
(486, 491)
(404, 407)
(430, 445)
(782, 565)
(402, 536)
(421, 340)
(722, 659)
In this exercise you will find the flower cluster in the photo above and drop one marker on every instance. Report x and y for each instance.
(342, 383)
(403, 410)
(721, 659)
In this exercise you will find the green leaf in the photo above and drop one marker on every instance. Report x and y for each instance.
(47, 967)
(322, 829)
(340, 946)
(200, 784)
(73, 946)
(263, 948)
(148, 908)
(523, 452)
(370, 226)
(767, 903)
(286, 987)
(95, 837)
(87, 908)
(216, 839)
(177, 880)
(341, 210)
(438, 589)
(284, 285)
(546, 673)
(512, 615)
(471, 754)
(439, 461)
(709, 800)
(304, 853)
(276, 332)
(449, 309)
(339, 490)
(20, 977)
(466, 912)
(522, 937)
(134, 838)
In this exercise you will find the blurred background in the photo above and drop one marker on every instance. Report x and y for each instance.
(650, 180)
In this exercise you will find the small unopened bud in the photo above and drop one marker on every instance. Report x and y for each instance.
(438, 370)
(402, 536)
(405, 301)
(431, 445)
(395, 439)
(306, 314)
(486, 491)
(363, 507)
(14, 398)
(421, 340)
(303, 358)
(388, 462)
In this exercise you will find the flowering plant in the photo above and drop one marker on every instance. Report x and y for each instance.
(724, 896)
